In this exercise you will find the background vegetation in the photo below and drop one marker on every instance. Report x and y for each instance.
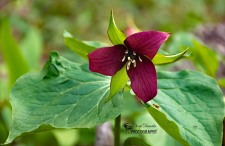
(30, 29)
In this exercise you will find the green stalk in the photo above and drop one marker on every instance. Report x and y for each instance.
(117, 131)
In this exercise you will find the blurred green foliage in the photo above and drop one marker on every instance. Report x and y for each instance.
(89, 19)
(36, 26)
(204, 58)
(11, 53)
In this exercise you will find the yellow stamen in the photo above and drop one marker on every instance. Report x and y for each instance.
(128, 65)
(139, 58)
(124, 58)
(134, 63)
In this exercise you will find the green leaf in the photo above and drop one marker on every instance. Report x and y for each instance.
(96, 44)
(79, 47)
(74, 57)
(191, 103)
(4, 87)
(204, 58)
(11, 53)
(32, 47)
(153, 139)
(221, 82)
(164, 59)
(169, 126)
(66, 137)
(115, 35)
(3, 132)
(63, 95)
(118, 82)
(133, 141)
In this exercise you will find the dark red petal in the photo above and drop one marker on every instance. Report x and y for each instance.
(108, 60)
(147, 42)
(143, 79)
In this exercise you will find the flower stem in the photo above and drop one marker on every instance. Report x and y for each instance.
(117, 131)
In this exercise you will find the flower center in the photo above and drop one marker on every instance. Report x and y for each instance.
(131, 57)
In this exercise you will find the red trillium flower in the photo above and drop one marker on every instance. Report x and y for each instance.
(136, 53)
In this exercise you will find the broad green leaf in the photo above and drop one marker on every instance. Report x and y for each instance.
(169, 126)
(118, 82)
(153, 139)
(164, 59)
(191, 103)
(11, 53)
(133, 141)
(79, 47)
(63, 95)
(32, 47)
(115, 35)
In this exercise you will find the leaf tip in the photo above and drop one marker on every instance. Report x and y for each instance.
(115, 35)
(9, 139)
(67, 34)
(52, 67)
(111, 21)
(111, 12)
(187, 52)
(54, 54)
